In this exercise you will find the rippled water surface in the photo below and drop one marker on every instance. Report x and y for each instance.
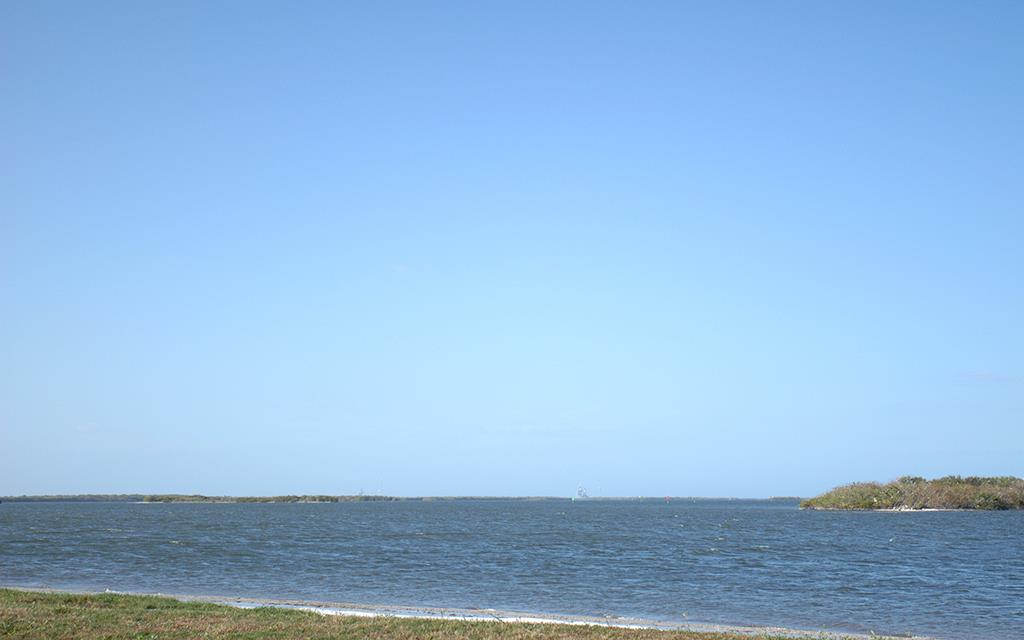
(945, 574)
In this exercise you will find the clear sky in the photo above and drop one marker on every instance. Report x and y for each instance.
(690, 248)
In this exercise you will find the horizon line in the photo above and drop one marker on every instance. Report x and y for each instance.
(369, 497)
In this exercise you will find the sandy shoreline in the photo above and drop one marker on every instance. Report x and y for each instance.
(483, 615)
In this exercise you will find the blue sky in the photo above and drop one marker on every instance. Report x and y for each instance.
(688, 248)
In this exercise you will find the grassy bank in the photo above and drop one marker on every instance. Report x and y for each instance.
(31, 615)
(951, 492)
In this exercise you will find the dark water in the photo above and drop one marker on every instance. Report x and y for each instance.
(946, 574)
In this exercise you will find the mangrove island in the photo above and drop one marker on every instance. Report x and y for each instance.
(912, 493)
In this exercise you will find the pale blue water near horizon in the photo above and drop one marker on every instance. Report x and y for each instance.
(749, 562)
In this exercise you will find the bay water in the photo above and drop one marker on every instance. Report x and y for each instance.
(746, 562)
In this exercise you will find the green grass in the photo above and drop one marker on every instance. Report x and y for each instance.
(32, 615)
(908, 492)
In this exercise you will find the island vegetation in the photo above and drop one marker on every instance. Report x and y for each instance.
(914, 493)
(28, 615)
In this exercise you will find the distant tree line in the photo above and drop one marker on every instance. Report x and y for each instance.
(171, 497)
(82, 497)
(306, 498)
